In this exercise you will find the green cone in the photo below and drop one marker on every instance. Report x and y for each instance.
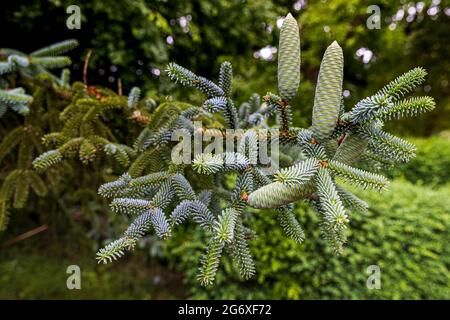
(289, 59)
(328, 92)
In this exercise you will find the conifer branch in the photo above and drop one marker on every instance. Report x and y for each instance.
(188, 78)
(313, 160)
(404, 83)
(226, 77)
(388, 146)
(358, 177)
(334, 218)
(290, 224)
(56, 49)
(210, 262)
(241, 254)
(408, 107)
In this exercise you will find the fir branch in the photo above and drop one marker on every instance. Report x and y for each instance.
(21, 192)
(133, 97)
(351, 149)
(240, 253)
(350, 200)
(370, 108)
(148, 217)
(226, 77)
(164, 196)
(6, 67)
(283, 110)
(51, 62)
(388, 146)
(231, 114)
(141, 143)
(248, 146)
(115, 250)
(148, 181)
(36, 183)
(196, 210)
(129, 206)
(244, 186)
(160, 223)
(148, 159)
(87, 151)
(336, 140)
(10, 141)
(21, 109)
(205, 197)
(358, 177)
(408, 107)
(404, 83)
(216, 104)
(310, 146)
(298, 174)
(19, 60)
(123, 154)
(47, 159)
(290, 225)
(4, 215)
(64, 80)
(224, 226)
(56, 49)
(182, 187)
(233, 161)
(9, 184)
(14, 97)
(259, 177)
(140, 226)
(116, 188)
(3, 108)
(188, 78)
(206, 163)
(210, 262)
(334, 218)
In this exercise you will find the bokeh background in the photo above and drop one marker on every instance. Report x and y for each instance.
(406, 231)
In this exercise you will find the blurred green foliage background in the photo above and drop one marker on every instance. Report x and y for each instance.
(406, 232)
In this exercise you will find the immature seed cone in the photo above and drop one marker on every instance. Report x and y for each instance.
(328, 92)
(289, 59)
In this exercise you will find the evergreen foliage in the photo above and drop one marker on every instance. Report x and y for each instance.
(391, 227)
(159, 193)
(329, 151)
(311, 178)
(30, 65)
(35, 110)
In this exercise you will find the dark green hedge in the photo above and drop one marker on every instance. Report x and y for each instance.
(405, 233)
(430, 166)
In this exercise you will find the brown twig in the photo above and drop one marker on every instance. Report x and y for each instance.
(119, 87)
(25, 235)
(85, 68)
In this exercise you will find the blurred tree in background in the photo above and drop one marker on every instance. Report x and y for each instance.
(134, 39)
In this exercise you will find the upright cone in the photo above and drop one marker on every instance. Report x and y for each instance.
(289, 59)
(328, 92)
